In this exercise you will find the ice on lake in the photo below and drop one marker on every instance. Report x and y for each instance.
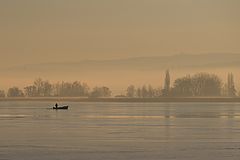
(120, 131)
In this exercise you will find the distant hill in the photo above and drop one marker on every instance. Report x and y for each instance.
(138, 63)
(119, 73)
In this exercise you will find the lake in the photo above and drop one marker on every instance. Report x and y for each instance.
(120, 131)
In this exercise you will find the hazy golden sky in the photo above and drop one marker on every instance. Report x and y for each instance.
(37, 31)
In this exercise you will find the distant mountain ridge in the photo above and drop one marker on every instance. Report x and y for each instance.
(140, 63)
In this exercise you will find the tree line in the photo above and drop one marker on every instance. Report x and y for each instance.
(197, 85)
(43, 88)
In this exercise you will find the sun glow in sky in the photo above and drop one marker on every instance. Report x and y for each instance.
(38, 31)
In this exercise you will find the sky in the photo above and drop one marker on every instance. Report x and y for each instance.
(42, 31)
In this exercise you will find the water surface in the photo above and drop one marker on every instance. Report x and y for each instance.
(120, 131)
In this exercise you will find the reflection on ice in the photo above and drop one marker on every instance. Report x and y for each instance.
(14, 116)
(127, 117)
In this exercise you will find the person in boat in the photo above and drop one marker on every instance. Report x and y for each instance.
(56, 105)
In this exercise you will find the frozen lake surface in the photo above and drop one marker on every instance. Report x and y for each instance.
(120, 131)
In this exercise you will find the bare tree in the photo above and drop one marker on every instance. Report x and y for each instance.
(150, 91)
(201, 84)
(131, 91)
(231, 86)
(101, 92)
(205, 84)
(166, 89)
(30, 91)
(139, 93)
(38, 83)
(2, 93)
(144, 91)
(15, 92)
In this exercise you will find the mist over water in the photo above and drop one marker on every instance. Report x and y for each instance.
(160, 50)
(121, 131)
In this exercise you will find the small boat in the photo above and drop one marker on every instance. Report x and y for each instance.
(60, 107)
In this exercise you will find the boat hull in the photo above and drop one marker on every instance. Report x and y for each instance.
(61, 107)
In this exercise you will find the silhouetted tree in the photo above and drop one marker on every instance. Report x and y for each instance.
(157, 92)
(100, 92)
(205, 84)
(139, 93)
(56, 89)
(66, 89)
(166, 89)
(150, 91)
(224, 91)
(75, 89)
(201, 84)
(46, 89)
(144, 91)
(41, 88)
(183, 87)
(15, 92)
(38, 83)
(131, 91)
(2, 93)
(85, 89)
(230, 86)
(31, 91)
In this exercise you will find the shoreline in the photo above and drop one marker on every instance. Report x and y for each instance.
(133, 100)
